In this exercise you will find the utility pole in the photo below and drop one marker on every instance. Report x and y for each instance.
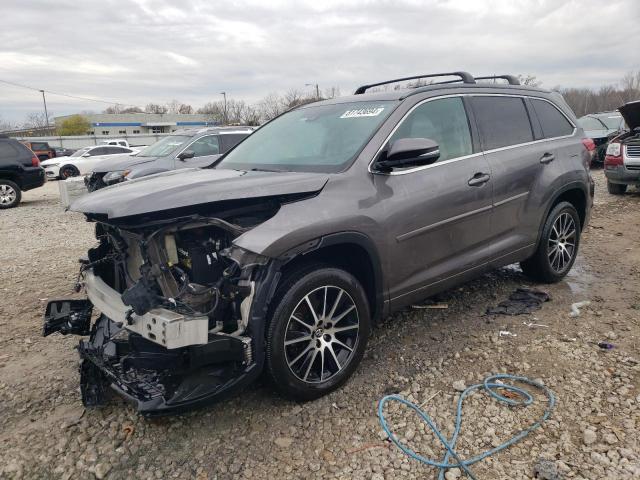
(317, 89)
(46, 114)
(224, 94)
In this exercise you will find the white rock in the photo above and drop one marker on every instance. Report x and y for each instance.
(459, 385)
(589, 437)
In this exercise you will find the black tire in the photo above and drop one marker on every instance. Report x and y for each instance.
(544, 265)
(10, 194)
(68, 171)
(322, 286)
(616, 188)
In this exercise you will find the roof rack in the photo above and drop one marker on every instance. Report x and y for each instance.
(511, 79)
(464, 77)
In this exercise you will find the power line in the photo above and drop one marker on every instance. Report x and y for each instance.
(67, 95)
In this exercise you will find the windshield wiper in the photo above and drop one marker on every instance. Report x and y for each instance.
(266, 170)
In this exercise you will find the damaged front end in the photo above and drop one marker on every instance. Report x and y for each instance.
(181, 311)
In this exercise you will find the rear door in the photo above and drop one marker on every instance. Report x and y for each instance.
(518, 154)
(438, 215)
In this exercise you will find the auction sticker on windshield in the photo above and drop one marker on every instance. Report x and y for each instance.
(363, 112)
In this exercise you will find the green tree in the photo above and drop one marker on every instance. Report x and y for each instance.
(74, 125)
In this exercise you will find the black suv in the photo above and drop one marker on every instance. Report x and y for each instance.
(284, 254)
(19, 171)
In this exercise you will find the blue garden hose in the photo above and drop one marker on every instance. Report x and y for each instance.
(489, 385)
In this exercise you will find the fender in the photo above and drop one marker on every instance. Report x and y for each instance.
(565, 188)
(354, 238)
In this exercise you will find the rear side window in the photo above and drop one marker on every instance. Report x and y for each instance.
(205, 146)
(39, 146)
(554, 123)
(7, 151)
(99, 151)
(444, 121)
(502, 121)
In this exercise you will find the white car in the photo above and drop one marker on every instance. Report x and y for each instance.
(82, 161)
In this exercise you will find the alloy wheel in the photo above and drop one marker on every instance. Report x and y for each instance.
(7, 195)
(562, 242)
(322, 334)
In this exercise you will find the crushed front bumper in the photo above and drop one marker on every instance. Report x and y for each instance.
(162, 361)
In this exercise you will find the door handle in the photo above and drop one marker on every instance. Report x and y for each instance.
(547, 158)
(479, 179)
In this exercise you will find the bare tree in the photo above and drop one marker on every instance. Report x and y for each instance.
(185, 109)
(6, 125)
(36, 120)
(155, 108)
(214, 111)
(270, 107)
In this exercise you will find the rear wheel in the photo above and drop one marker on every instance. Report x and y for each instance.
(616, 188)
(10, 194)
(558, 245)
(68, 171)
(318, 332)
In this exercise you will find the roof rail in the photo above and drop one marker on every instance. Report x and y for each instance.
(511, 79)
(464, 77)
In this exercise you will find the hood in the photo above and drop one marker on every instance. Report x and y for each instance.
(193, 187)
(631, 114)
(120, 161)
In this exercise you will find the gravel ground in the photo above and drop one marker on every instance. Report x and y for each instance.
(593, 433)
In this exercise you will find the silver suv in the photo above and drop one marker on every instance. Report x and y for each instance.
(284, 254)
(185, 148)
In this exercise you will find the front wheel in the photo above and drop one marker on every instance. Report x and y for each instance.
(558, 246)
(318, 332)
(616, 188)
(68, 171)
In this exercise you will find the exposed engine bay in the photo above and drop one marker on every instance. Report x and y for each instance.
(176, 299)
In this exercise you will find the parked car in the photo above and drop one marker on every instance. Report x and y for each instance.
(286, 252)
(622, 161)
(63, 152)
(187, 148)
(19, 171)
(601, 127)
(84, 160)
(117, 141)
(41, 149)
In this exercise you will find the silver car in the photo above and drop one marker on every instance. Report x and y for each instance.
(284, 254)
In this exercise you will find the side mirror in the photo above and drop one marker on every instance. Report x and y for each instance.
(186, 154)
(410, 152)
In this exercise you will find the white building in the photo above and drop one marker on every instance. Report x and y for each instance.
(123, 124)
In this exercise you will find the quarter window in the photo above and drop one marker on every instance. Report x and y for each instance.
(502, 121)
(554, 123)
(444, 121)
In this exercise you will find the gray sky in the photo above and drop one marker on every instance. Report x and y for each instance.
(140, 51)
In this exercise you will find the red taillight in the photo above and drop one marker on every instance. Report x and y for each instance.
(35, 161)
(589, 144)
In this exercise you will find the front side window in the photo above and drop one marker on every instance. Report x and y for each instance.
(444, 121)
(591, 123)
(205, 146)
(554, 123)
(502, 121)
(316, 138)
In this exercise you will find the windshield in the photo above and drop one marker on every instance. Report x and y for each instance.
(164, 147)
(613, 122)
(81, 152)
(591, 123)
(323, 138)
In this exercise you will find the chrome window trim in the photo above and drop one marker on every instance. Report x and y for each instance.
(465, 157)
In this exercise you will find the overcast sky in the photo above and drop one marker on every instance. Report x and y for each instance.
(141, 51)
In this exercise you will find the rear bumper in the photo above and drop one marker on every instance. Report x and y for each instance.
(32, 177)
(621, 174)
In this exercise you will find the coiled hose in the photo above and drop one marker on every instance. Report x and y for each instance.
(489, 385)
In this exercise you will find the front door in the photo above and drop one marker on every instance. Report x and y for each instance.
(439, 215)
